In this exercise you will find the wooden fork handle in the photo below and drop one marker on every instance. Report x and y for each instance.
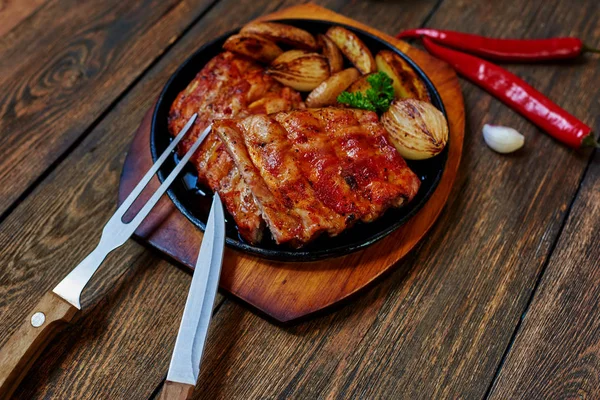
(176, 391)
(18, 354)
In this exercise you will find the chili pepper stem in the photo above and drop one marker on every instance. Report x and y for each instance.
(587, 49)
(590, 141)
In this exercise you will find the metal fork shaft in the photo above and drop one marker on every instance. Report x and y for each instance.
(116, 232)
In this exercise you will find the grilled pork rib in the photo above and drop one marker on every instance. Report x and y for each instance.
(320, 164)
(368, 158)
(317, 170)
(228, 86)
(347, 157)
(262, 151)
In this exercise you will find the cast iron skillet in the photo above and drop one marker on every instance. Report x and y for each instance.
(194, 201)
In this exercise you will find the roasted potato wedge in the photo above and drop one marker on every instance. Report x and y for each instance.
(332, 52)
(327, 92)
(353, 48)
(253, 46)
(282, 33)
(361, 84)
(299, 69)
(407, 85)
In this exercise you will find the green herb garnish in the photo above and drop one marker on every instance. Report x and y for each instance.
(376, 98)
(356, 100)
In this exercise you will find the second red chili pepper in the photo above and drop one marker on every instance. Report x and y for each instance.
(504, 49)
(517, 94)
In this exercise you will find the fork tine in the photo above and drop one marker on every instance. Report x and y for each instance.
(159, 162)
(137, 220)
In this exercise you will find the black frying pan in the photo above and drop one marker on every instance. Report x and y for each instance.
(194, 201)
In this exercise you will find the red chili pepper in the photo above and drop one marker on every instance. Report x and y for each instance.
(517, 94)
(505, 49)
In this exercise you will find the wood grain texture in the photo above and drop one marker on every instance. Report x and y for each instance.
(13, 12)
(385, 16)
(289, 291)
(61, 69)
(556, 353)
(132, 307)
(49, 316)
(176, 391)
(434, 329)
(438, 327)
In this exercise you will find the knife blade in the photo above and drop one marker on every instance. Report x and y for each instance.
(191, 338)
(58, 307)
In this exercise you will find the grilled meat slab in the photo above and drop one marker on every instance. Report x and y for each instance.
(285, 225)
(317, 170)
(262, 141)
(228, 86)
(346, 155)
(369, 161)
(321, 165)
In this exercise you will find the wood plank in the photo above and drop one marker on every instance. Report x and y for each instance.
(555, 354)
(121, 346)
(438, 327)
(61, 68)
(12, 12)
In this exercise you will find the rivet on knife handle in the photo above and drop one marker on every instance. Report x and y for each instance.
(57, 308)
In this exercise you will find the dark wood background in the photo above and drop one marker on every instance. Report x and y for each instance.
(499, 301)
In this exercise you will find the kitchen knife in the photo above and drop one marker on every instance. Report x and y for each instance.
(187, 355)
(59, 307)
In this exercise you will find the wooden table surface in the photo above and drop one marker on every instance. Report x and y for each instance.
(501, 300)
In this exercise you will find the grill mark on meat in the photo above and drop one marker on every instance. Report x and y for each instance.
(278, 166)
(381, 176)
(284, 224)
(321, 166)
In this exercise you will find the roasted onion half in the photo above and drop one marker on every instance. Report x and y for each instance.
(417, 129)
(300, 69)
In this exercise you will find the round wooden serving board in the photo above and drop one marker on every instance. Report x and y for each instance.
(289, 291)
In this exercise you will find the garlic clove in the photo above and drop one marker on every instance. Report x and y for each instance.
(502, 139)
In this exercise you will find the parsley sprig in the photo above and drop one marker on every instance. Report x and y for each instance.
(377, 98)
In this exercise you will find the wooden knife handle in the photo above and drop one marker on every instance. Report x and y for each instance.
(176, 391)
(18, 354)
